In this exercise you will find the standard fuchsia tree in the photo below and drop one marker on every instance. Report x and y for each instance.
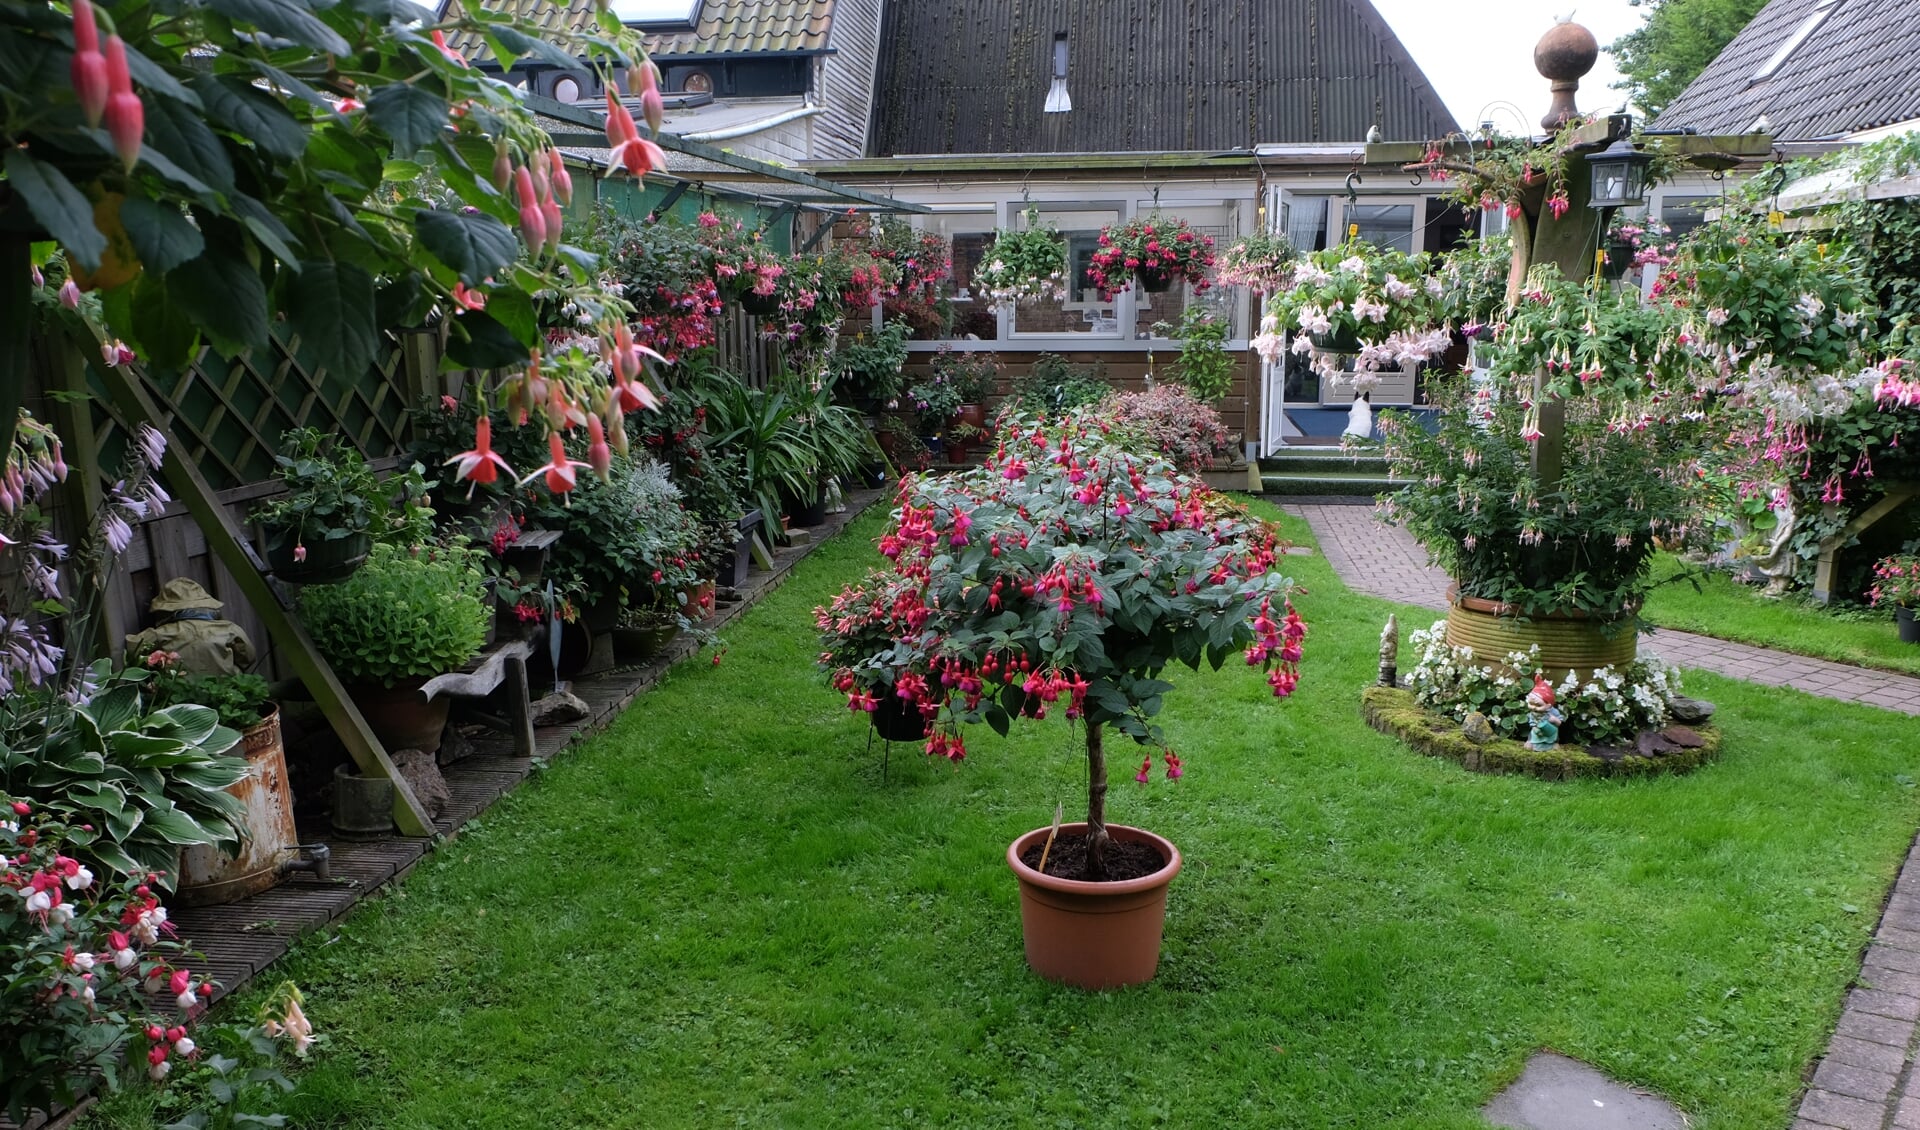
(1066, 573)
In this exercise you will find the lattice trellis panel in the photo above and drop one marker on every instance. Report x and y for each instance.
(230, 412)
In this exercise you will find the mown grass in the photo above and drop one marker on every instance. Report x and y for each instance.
(1725, 609)
(717, 913)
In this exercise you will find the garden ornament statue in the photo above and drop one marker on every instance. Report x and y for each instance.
(1544, 715)
(189, 623)
(1390, 651)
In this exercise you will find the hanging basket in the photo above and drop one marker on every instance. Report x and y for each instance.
(760, 305)
(327, 560)
(1153, 280)
(1343, 340)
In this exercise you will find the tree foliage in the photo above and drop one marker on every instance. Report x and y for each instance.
(1679, 39)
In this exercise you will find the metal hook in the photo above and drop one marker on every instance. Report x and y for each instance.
(1156, 198)
(1353, 194)
(1419, 178)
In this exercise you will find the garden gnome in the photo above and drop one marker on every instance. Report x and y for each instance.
(1545, 716)
(1390, 651)
(189, 623)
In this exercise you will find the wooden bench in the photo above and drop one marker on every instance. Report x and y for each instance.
(506, 662)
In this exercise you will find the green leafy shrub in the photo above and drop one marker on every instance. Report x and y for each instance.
(1053, 385)
(240, 700)
(405, 614)
(1205, 367)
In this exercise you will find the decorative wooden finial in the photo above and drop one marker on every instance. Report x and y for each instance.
(1564, 56)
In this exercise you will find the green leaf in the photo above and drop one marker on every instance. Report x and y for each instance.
(285, 19)
(253, 114)
(517, 42)
(115, 857)
(514, 310)
(291, 85)
(402, 170)
(411, 116)
(161, 325)
(474, 246)
(176, 827)
(162, 235)
(480, 342)
(267, 228)
(179, 133)
(398, 11)
(153, 78)
(225, 297)
(330, 305)
(57, 205)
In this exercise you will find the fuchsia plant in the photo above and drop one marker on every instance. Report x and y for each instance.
(1065, 573)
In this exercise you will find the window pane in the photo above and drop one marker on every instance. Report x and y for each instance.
(1384, 225)
(1168, 306)
(1306, 222)
(968, 235)
(1082, 311)
(1685, 213)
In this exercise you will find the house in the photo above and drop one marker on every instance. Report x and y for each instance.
(1093, 114)
(1811, 73)
(777, 80)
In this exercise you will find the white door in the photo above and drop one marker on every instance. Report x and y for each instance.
(1273, 378)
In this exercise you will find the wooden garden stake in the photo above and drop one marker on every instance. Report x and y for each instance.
(1059, 810)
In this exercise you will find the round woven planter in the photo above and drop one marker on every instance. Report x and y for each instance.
(1569, 641)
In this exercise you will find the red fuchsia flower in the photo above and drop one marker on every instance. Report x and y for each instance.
(1146, 769)
(440, 41)
(533, 222)
(480, 465)
(562, 473)
(1558, 204)
(89, 66)
(559, 177)
(348, 106)
(1513, 209)
(22, 808)
(652, 106)
(599, 455)
(1174, 768)
(126, 117)
(468, 299)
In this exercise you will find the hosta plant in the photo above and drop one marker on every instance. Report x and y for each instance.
(406, 614)
(1064, 575)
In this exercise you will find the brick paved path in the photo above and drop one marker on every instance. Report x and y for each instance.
(1385, 561)
(1868, 1079)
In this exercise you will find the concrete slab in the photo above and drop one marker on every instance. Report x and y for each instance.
(1557, 1093)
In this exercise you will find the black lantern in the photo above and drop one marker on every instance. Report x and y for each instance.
(1619, 176)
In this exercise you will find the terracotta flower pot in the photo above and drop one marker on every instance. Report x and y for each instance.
(1569, 641)
(401, 717)
(1094, 935)
(973, 415)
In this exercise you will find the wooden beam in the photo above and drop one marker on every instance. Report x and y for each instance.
(1827, 570)
(289, 636)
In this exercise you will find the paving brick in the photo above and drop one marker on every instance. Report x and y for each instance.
(1875, 1029)
(1854, 1082)
(1864, 1053)
(1842, 1112)
(1890, 980)
(1896, 1005)
(1907, 1115)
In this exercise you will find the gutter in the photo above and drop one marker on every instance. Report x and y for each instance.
(748, 129)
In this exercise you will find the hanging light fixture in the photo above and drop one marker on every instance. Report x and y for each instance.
(1619, 175)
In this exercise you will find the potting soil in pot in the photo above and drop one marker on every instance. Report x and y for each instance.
(1068, 860)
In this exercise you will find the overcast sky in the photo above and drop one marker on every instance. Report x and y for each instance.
(1480, 56)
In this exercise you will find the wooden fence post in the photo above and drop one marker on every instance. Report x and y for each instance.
(226, 542)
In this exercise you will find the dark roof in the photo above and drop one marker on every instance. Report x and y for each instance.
(971, 76)
(723, 27)
(1858, 70)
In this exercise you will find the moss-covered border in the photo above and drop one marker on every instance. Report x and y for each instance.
(1393, 712)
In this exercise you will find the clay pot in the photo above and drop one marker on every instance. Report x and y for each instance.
(209, 877)
(1569, 641)
(973, 415)
(1094, 935)
(697, 604)
(401, 717)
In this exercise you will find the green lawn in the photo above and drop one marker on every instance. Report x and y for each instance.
(1728, 610)
(717, 913)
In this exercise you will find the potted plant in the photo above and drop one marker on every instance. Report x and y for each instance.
(971, 376)
(1052, 385)
(244, 703)
(744, 268)
(1377, 305)
(1065, 575)
(1156, 251)
(1896, 581)
(403, 618)
(1027, 263)
(869, 368)
(320, 529)
(1261, 261)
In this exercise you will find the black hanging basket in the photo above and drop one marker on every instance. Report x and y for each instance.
(1343, 340)
(897, 721)
(1154, 280)
(760, 305)
(327, 560)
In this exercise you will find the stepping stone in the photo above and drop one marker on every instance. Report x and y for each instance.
(1557, 1093)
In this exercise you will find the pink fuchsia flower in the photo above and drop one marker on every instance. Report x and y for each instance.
(1146, 768)
(480, 465)
(599, 455)
(300, 552)
(562, 473)
(468, 299)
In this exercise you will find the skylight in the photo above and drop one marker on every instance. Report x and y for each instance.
(1811, 24)
(656, 11)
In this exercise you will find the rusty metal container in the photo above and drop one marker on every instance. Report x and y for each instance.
(209, 877)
